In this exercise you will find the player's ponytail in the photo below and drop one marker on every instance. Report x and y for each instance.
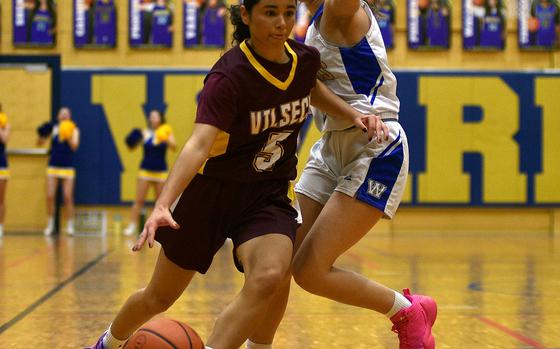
(240, 30)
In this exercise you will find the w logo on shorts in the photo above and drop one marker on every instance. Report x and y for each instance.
(376, 189)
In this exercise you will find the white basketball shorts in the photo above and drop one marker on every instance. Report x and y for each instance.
(345, 161)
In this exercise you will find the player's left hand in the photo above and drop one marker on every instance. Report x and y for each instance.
(160, 217)
(374, 126)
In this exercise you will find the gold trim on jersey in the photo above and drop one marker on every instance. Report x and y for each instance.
(153, 176)
(4, 173)
(282, 85)
(61, 172)
(218, 148)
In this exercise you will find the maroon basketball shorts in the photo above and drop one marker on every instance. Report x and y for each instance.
(211, 210)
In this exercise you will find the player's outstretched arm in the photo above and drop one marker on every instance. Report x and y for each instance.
(193, 155)
(341, 9)
(324, 99)
(343, 22)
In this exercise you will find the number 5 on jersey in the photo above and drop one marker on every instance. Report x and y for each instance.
(271, 152)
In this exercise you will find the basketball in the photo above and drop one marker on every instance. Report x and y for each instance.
(479, 3)
(423, 4)
(165, 333)
(533, 24)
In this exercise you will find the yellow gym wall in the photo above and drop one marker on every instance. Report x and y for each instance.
(409, 218)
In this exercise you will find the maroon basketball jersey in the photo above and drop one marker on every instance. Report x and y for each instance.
(260, 106)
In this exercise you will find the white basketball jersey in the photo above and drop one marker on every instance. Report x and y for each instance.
(360, 74)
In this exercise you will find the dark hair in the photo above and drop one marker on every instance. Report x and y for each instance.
(240, 30)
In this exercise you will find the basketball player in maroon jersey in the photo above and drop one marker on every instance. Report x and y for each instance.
(231, 179)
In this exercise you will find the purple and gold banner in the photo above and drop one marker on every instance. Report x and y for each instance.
(204, 23)
(150, 23)
(429, 23)
(386, 22)
(303, 17)
(484, 24)
(34, 23)
(539, 24)
(95, 23)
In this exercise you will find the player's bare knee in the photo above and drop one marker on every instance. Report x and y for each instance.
(304, 273)
(266, 281)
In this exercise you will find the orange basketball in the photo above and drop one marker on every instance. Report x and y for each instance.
(533, 24)
(423, 4)
(165, 333)
(479, 3)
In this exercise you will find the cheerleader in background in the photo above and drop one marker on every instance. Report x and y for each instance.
(65, 139)
(153, 169)
(4, 172)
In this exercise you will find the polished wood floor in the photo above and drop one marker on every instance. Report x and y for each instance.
(494, 291)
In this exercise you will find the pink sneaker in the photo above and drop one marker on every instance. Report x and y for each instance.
(414, 324)
(99, 344)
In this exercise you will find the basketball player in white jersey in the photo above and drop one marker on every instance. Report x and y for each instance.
(350, 183)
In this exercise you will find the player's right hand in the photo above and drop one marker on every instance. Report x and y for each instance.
(160, 217)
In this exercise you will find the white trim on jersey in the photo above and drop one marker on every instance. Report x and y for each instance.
(359, 74)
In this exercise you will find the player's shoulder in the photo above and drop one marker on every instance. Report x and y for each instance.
(231, 59)
(229, 65)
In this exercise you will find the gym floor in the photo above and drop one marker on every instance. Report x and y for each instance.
(493, 291)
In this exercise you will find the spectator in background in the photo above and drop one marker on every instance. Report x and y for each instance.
(303, 17)
(493, 25)
(214, 23)
(437, 24)
(4, 172)
(547, 29)
(157, 138)
(65, 139)
(162, 23)
(42, 23)
(386, 20)
(104, 22)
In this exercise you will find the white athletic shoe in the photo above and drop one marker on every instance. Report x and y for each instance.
(70, 229)
(130, 230)
(48, 230)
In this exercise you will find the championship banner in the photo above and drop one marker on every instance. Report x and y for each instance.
(538, 24)
(484, 25)
(386, 22)
(95, 23)
(150, 23)
(204, 23)
(303, 17)
(34, 23)
(429, 24)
